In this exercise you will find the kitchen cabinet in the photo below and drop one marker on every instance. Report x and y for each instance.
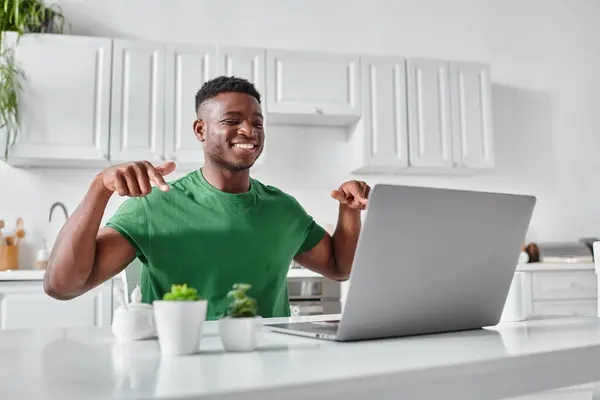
(24, 305)
(137, 107)
(570, 290)
(312, 88)
(380, 140)
(188, 67)
(429, 116)
(64, 105)
(473, 137)
(82, 105)
(243, 62)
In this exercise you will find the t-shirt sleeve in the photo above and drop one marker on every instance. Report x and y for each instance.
(312, 232)
(131, 221)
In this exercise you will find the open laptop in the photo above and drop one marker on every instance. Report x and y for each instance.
(428, 261)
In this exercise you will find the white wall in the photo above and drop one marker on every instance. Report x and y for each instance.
(544, 56)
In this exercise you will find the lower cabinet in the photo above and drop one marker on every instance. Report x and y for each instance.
(25, 305)
(561, 292)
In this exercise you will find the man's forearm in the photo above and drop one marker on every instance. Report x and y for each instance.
(345, 239)
(72, 257)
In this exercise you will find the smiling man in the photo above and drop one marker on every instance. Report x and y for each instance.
(211, 228)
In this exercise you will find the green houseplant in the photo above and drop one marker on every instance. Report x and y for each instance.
(238, 329)
(21, 17)
(179, 319)
(181, 293)
(241, 305)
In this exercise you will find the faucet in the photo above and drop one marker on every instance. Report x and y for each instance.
(61, 205)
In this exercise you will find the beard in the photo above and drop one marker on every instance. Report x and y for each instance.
(232, 166)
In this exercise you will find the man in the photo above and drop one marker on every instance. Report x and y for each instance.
(209, 229)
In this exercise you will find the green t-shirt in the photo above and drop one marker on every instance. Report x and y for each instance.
(209, 239)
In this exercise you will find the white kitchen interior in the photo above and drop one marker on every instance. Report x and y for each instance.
(495, 95)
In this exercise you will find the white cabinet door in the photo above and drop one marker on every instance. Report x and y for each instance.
(381, 141)
(25, 305)
(310, 87)
(137, 110)
(188, 68)
(247, 63)
(472, 128)
(64, 104)
(429, 128)
(243, 62)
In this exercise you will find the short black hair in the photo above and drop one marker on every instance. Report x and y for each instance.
(223, 84)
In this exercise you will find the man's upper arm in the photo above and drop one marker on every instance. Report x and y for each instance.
(125, 237)
(113, 254)
(315, 253)
(131, 222)
(320, 258)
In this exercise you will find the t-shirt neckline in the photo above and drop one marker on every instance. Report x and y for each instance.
(242, 198)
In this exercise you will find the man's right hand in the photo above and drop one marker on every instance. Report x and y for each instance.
(134, 179)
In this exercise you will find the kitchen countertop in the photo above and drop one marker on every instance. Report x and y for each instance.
(33, 275)
(22, 275)
(27, 275)
(507, 360)
(38, 275)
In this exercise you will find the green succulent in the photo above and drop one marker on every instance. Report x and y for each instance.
(181, 293)
(241, 305)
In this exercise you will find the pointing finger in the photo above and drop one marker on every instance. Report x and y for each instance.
(166, 168)
(157, 178)
(339, 196)
(358, 194)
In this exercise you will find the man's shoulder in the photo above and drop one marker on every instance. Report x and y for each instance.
(177, 187)
(274, 193)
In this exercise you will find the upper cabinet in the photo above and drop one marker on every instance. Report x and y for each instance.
(243, 62)
(64, 105)
(312, 87)
(380, 140)
(424, 115)
(83, 105)
(473, 135)
(189, 66)
(137, 109)
(429, 116)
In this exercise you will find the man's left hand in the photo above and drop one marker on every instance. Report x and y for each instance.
(354, 194)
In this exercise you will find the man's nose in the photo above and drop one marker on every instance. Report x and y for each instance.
(246, 129)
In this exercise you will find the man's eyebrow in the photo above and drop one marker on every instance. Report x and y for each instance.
(239, 114)
(232, 113)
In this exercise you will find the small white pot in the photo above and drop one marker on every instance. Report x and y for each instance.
(239, 334)
(179, 325)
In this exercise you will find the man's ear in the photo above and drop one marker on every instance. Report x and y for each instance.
(199, 129)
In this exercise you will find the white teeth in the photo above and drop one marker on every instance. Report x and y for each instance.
(244, 145)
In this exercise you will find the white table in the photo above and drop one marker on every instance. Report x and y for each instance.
(508, 360)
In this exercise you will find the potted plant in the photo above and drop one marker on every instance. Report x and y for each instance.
(20, 16)
(179, 319)
(238, 328)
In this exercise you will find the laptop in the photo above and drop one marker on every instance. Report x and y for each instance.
(428, 260)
